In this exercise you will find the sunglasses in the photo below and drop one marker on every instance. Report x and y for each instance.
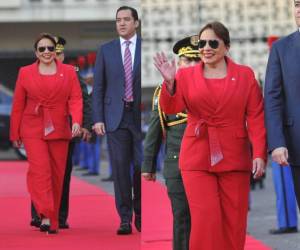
(214, 44)
(43, 48)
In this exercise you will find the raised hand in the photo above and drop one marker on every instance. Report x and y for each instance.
(167, 69)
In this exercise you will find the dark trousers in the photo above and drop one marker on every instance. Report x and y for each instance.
(181, 214)
(125, 150)
(64, 205)
(296, 178)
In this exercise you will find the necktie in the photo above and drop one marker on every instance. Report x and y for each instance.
(128, 73)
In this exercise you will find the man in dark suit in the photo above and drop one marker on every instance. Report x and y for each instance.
(116, 112)
(286, 206)
(282, 102)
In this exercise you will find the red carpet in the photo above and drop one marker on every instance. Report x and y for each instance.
(93, 217)
(157, 220)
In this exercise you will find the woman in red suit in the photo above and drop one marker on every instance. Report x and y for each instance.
(46, 93)
(225, 110)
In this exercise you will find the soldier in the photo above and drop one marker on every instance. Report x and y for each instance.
(171, 127)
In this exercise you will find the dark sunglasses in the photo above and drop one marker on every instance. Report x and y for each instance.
(43, 48)
(214, 44)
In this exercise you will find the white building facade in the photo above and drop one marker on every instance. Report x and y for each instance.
(250, 22)
(84, 23)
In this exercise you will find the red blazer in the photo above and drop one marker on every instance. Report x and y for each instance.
(227, 125)
(40, 113)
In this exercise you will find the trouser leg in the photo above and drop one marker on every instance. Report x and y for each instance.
(218, 203)
(39, 176)
(120, 150)
(296, 178)
(64, 206)
(137, 160)
(181, 214)
(234, 191)
(58, 151)
(204, 202)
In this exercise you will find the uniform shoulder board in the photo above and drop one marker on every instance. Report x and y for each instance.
(155, 98)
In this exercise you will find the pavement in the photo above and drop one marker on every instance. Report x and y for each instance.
(261, 218)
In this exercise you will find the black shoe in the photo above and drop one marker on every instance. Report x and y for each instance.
(107, 179)
(286, 230)
(35, 223)
(51, 231)
(124, 229)
(90, 174)
(138, 223)
(44, 227)
(64, 225)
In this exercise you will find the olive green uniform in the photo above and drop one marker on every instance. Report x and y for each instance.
(172, 128)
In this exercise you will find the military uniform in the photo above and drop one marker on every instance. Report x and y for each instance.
(172, 127)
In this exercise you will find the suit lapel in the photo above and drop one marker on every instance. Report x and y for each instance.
(230, 85)
(59, 80)
(137, 57)
(137, 70)
(117, 57)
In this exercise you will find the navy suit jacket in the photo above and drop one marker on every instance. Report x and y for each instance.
(282, 96)
(109, 86)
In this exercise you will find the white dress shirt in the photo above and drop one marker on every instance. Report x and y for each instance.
(131, 47)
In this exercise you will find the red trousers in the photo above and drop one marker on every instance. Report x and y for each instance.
(47, 162)
(218, 204)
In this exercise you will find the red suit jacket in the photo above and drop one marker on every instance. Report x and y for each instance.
(224, 127)
(41, 111)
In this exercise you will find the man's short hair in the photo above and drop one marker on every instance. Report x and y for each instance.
(133, 12)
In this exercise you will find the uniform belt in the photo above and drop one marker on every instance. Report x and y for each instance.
(176, 122)
(216, 154)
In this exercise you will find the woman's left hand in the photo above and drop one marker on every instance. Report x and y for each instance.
(258, 168)
(76, 131)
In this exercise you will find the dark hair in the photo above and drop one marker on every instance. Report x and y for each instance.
(133, 12)
(42, 36)
(220, 30)
(192, 59)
